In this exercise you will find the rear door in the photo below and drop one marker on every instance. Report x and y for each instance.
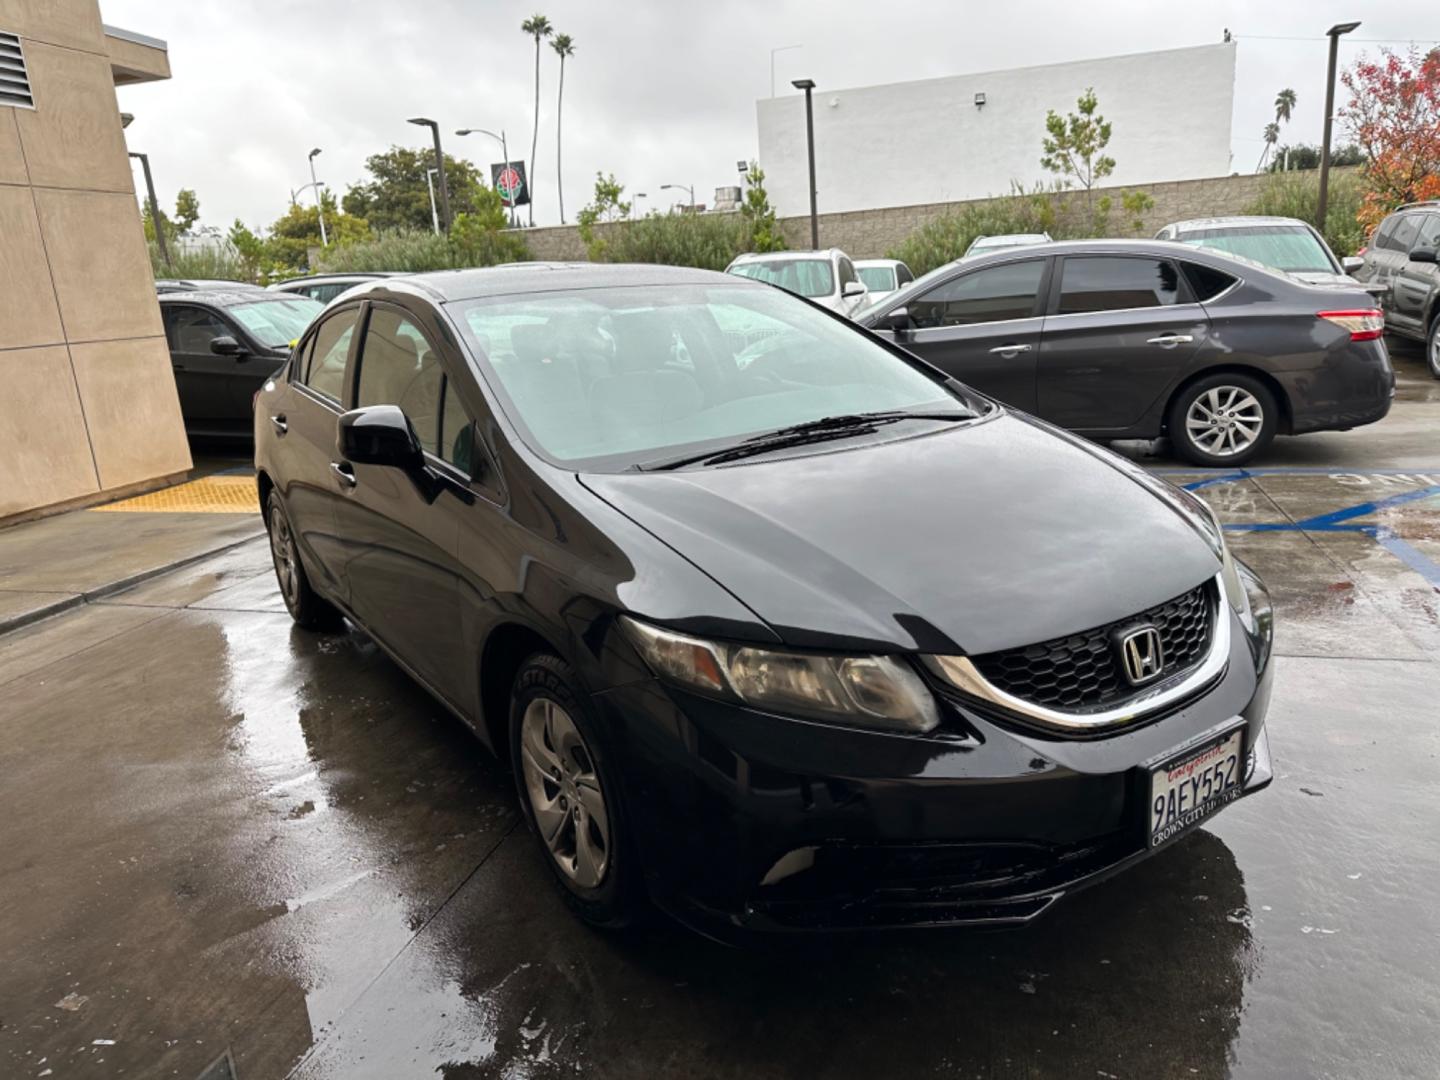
(983, 327)
(1415, 283)
(1121, 328)
(303, 421)
(215, 391)
(1394, 241)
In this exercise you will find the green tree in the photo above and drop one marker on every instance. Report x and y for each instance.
(295, 233)
(396, 195)
(607, 207)
(758, 214)
(537, 26)
(564, 46)
(249, 247)
(1284, 105)
(1271, 136)
(1075, 143)
(148, 221)
(187, 209)
(1307, 156)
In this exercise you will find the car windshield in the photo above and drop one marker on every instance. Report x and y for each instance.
(804, 277)
(616, 377)
(277, 322)
(1292, 248)
(877, 278)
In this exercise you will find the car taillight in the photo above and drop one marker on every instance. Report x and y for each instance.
(1365, 324)
(1360, 254)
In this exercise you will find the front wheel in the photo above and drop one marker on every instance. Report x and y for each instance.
(1223, 419)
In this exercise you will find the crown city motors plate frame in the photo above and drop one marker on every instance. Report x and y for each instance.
(1189, 785)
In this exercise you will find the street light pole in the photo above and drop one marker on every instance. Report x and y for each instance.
(319, 204)
(421, 121)
(635, 202)
(682, 187)
(1323, 203)
(430, 187)
(780, 49)
(504, 153)
(154, 210)
(808, 85)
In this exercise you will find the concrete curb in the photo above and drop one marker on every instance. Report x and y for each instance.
(74, 600)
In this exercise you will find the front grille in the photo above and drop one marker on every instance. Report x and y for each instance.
(1082, 671)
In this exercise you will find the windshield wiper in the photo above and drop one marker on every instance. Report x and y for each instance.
(812, 431)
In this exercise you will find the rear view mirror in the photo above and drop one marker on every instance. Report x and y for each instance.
(225, 345)
(895, 320)
(852, 288)
(1423, 255)
(379, 435)
(1351, 263)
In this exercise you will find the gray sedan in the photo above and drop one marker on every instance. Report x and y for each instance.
(1137, 339)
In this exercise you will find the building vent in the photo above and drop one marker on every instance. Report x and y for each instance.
(14, 80)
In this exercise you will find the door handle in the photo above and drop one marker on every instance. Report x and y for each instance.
(1170, 340)
(1010, 350)
(345, 473)
(279, 424)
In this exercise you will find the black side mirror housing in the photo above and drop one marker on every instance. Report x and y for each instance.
(380, 435)
(897, 320)
(1423, 255)
(225, 345)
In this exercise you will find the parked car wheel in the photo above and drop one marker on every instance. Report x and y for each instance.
(1222, 419)
(1432, 347)
(306, 606)
(570, 793)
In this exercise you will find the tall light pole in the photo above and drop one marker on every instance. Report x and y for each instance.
(430, 187)
(319, 203)
(808, 85)
(681, 187)
(504, 153)
(154, 210)
(635, 202)
(780, 49)
(1334, 35)
(421, 121)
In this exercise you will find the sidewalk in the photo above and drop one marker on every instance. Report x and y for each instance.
(55, 563)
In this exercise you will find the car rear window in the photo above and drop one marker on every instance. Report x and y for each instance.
(804, 277)
(1292, 248)
(1205, 281)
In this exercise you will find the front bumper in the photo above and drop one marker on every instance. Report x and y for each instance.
(752, 823)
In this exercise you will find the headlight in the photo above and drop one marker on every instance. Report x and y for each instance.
(871, 691)
(1245, 592)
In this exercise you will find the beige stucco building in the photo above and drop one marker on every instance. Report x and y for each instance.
(88, 407)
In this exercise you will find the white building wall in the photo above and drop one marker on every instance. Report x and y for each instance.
(926, 142)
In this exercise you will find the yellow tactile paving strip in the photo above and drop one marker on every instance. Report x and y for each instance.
(208, 495)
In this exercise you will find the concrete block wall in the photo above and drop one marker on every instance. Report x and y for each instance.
(89, 407)
(869, 234)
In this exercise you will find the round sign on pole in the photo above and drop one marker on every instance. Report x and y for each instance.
(509, 184)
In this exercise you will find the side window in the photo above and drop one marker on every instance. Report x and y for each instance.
(1429, 231)
(1111, 283)
(457, 433)
(990, 295)
(398, 367)
(903, 276)
(1206, 282)
(847, 272)
(1382, 236)
(191, 329)
(327, 352)
(1403, 238)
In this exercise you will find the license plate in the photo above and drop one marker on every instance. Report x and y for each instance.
(1190, 787)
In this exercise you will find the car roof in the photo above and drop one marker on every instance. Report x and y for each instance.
(535, 277)
(352, 275)
(1236, 221)
(226, 297)
(768, 256)
(879, 262)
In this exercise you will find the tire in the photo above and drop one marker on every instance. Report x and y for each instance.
(1432, 347)
(306, 606)
(570, 792)
(1239, 417)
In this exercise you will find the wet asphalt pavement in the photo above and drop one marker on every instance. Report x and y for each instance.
(223, 835)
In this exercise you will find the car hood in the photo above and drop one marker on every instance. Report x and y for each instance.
(970, 539)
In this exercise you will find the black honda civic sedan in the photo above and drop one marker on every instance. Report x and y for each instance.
(1134, 339)
(853, 646)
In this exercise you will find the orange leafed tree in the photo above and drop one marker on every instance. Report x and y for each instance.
(1394, 116)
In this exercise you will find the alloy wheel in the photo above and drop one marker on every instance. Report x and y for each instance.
(1224, 420)
(566, 796)
(282, 550)
(1433, 348)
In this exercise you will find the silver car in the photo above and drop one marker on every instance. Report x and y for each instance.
(1281, 243)
(984, 245)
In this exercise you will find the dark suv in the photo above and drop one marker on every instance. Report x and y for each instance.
(1401, 257)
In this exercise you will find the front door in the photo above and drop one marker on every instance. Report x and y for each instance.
(215, 389)
(983, 327)
(1123, 327)
(400, 533)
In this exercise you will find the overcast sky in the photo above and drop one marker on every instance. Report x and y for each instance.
(658, 91)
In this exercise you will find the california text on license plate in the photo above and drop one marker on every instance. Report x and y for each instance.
(1188, 788)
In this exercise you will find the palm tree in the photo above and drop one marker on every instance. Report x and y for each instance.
(1272, 136)
(537, 26)
(1284, 105)
(564, 46)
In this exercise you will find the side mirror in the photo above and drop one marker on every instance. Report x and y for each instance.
(379, 435)
(853, 288)
(896, 320)
(225, 345)
(1423, 255)
(1351, 263)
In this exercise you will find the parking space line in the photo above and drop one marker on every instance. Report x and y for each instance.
(1321, 521)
